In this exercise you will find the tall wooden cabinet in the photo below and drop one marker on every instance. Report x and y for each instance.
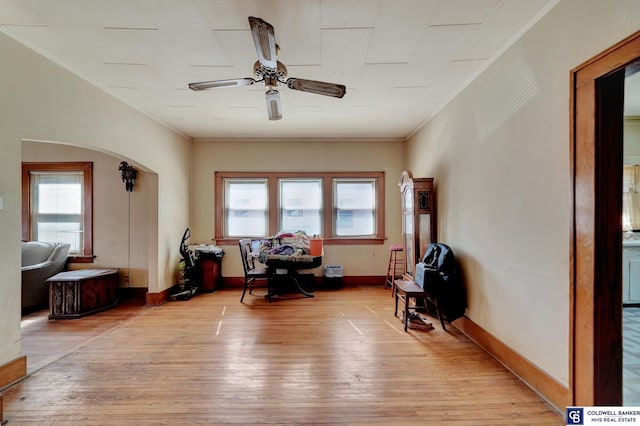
(418, 217)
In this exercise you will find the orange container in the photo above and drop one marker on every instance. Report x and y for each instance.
(315, 246)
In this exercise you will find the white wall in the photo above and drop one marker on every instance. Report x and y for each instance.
(41, 101)
(500, 155)
(357, 260)
(10, 233)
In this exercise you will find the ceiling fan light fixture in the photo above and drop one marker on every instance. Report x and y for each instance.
(270, 82)
(274, 107)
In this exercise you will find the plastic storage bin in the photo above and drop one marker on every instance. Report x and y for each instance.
(332, 276)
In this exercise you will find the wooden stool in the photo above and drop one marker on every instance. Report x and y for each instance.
(407, 290)
(395, 268)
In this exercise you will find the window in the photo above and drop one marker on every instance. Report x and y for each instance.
(343, 207)
(57, 206)
(301, 205)
(355, 204)
(246, 207)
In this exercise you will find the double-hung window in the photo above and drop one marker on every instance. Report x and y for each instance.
(246, 209)
(56, 205)
(300, 205)
(355, 207)
(343, 207)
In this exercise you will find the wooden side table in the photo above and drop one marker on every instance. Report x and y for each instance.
(407, 290)
(74, 294)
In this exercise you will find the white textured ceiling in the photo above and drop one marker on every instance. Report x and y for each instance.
(401, 60)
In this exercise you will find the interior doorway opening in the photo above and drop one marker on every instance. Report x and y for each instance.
(596, 275)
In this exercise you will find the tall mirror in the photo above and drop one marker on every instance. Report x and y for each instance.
(418, 218)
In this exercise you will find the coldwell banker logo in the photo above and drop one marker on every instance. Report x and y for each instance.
(575, 416)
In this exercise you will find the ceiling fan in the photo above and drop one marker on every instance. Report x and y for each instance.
(271, 71)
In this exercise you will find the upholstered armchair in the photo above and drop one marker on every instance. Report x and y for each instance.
(40, 261)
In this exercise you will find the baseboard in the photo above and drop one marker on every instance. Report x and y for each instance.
(133, 294)
(155, 299)
(361, 280)
(13, 371)
(232, 282)
(555, 393)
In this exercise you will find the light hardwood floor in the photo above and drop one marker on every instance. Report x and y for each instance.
(339, 358)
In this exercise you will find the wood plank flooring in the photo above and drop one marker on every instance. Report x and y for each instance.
(340, 358)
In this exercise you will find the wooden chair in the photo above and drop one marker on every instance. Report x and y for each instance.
(254, 276)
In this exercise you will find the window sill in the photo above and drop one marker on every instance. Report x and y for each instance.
(79, 258)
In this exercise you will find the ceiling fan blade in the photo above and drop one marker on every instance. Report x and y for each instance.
(265, 40)
(274, 107)
(203, 85)
(317, 87)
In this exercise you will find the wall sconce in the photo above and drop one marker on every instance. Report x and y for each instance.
(129, 175)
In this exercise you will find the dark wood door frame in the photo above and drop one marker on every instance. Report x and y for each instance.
(596, 241)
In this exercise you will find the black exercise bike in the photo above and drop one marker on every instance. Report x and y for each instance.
(188, 286)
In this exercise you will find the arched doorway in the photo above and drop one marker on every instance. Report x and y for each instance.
(124, 223)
